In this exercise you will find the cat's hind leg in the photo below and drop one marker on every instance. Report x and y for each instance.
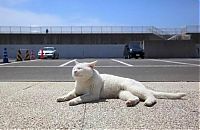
(131, 100)
(150, 100)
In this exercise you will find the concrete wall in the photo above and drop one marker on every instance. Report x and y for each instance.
(110, 38)
(153, 49)
(170, 49)
(72, 51)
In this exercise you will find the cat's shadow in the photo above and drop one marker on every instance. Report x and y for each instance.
(98, 101)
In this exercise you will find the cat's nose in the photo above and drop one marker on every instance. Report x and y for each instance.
(75, 72)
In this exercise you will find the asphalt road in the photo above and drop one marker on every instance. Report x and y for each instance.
(140, 69)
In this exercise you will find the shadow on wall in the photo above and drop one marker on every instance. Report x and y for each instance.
(170, 49)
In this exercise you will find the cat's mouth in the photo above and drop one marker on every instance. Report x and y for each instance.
(77, 75)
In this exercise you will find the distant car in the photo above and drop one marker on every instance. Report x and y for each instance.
(48, 52)
(133, 49)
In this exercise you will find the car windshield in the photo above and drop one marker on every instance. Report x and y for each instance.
(48, 49)
(134, 45)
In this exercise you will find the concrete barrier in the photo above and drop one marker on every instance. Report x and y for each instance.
(153, 49)
(73, 51)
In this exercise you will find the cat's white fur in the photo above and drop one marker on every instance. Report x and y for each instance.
(92, 86)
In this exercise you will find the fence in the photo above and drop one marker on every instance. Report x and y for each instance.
(99, 29)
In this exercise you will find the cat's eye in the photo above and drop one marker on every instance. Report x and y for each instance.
(79, 68)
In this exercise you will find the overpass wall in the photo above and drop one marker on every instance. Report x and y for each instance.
(98, 45)
(106, 38)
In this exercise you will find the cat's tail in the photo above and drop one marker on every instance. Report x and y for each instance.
(164, 95)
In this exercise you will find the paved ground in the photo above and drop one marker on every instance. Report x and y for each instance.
(140, 69)
(26, 104)
(33, 105)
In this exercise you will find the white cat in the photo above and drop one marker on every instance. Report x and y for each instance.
(92, 86)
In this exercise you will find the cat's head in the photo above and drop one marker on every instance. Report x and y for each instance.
(83, 71)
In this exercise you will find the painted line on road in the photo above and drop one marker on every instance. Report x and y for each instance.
(183, 63)
(122, 62)
(193, 59)
(17, 62)
(67, 63)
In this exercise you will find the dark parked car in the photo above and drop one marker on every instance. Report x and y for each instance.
(133, 50)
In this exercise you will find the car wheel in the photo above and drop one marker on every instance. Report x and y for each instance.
(125, 57)
(54, 56)
(58, 56)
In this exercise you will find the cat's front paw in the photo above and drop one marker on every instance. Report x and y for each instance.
(131, 103)
(72, 103)
(60, 99)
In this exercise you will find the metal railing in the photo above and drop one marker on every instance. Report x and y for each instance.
(98, 29)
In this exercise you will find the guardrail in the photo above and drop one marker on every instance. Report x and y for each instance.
(99, 29)
(75, 29)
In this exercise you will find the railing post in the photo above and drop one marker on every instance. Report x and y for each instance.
(20, 29)
(10, 28)
(40, 29)
(51, 29)
(142, 29)
(131, 29)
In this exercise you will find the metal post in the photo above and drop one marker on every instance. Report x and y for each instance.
(10, 29)
(131, 29)
(143, 44)
(20, 29)
(40, 29)
(50, 29)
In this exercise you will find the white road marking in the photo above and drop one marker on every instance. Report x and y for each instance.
(183, 63)
(17, 62)
(67, 63)
(122, 62)
(193, 59)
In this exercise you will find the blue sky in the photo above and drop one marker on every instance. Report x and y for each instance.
(160, 13)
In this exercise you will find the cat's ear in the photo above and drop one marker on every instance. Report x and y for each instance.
(92, 64)
(76, 62)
